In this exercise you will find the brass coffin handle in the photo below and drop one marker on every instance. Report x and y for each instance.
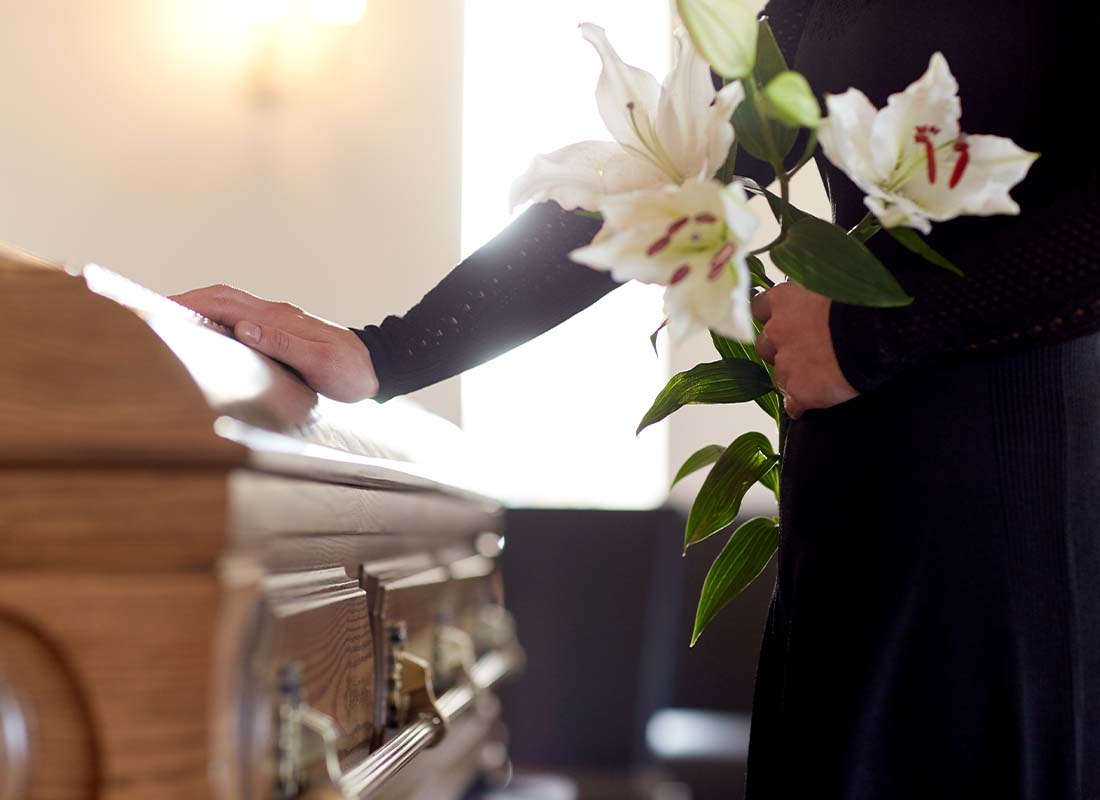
(427, 718)
(365, 779)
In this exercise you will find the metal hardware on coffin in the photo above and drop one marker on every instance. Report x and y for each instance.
(453, 655)
(409, 686)
(307, 741)
(308, 755)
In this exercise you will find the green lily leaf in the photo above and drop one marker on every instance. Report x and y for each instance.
(782, 209)
(769, 58)
(757, 271)
(913, 242)
(653, 337)
(702, 457)
(744, 557)
(771, 480)
(730, 380)
(727, 348)
(789, 99)
(824, 259)
(748, 122)
(724, 33)
(744, 462)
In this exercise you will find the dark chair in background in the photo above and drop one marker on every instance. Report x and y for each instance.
(604, 606)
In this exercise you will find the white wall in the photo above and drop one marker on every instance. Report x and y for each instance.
(131, 135)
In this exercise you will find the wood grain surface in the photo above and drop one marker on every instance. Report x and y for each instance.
(124, 519)
(82, 379)
(40, 700)
(140, 651)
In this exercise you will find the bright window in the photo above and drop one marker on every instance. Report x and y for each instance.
(556, 417)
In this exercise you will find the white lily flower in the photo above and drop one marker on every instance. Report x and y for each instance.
(913, 161)
(664, 134)
(691, 238)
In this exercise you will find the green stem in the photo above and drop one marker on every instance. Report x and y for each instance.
(763, 280)
(784, 222)
(865, 228)
(776, 161)
(783, 422)
(807, 154)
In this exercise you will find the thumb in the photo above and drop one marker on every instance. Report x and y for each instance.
(275, 342)
(793, 407)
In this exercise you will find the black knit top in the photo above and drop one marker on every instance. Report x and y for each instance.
(1009, 62)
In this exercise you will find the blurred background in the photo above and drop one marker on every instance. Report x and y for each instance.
(344, 155)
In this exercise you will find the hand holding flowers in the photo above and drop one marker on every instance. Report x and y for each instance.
(676, 214)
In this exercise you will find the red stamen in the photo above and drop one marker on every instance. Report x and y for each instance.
(680, 273)
(658, 246)
(720, 259)
(706, 217)
(723, 255)
(963, 149)
(922, 137)
(675, 226)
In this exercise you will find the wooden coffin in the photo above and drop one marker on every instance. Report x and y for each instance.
(214, 584)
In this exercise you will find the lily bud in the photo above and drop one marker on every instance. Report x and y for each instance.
(789, 99)
(724, 33)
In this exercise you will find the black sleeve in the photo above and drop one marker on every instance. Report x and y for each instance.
(1034, 279)
(519, 285)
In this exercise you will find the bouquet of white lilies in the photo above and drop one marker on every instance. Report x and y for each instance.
(675, 214)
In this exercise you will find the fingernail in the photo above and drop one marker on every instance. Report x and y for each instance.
(248, 332)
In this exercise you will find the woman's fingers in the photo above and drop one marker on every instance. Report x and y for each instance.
(340, 368)
(228, 306)
(761, 306)
(765, 348)
(222, 304)
(292, 350)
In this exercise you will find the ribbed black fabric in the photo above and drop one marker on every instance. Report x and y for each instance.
(516, 287)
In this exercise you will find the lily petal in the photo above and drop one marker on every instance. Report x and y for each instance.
(719, 131)
(623, 255)
(735, 209)
(994, 165)
(722, 305)
(622, 89)
(932, 100)
(896, 210)
(578, 175)
(845, 134)
(693, 124)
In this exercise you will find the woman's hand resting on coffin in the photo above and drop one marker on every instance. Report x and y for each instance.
(329, 357)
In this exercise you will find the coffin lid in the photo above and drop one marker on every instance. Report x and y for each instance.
(96, 369)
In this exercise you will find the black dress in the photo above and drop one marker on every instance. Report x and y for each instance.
(935, 628)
